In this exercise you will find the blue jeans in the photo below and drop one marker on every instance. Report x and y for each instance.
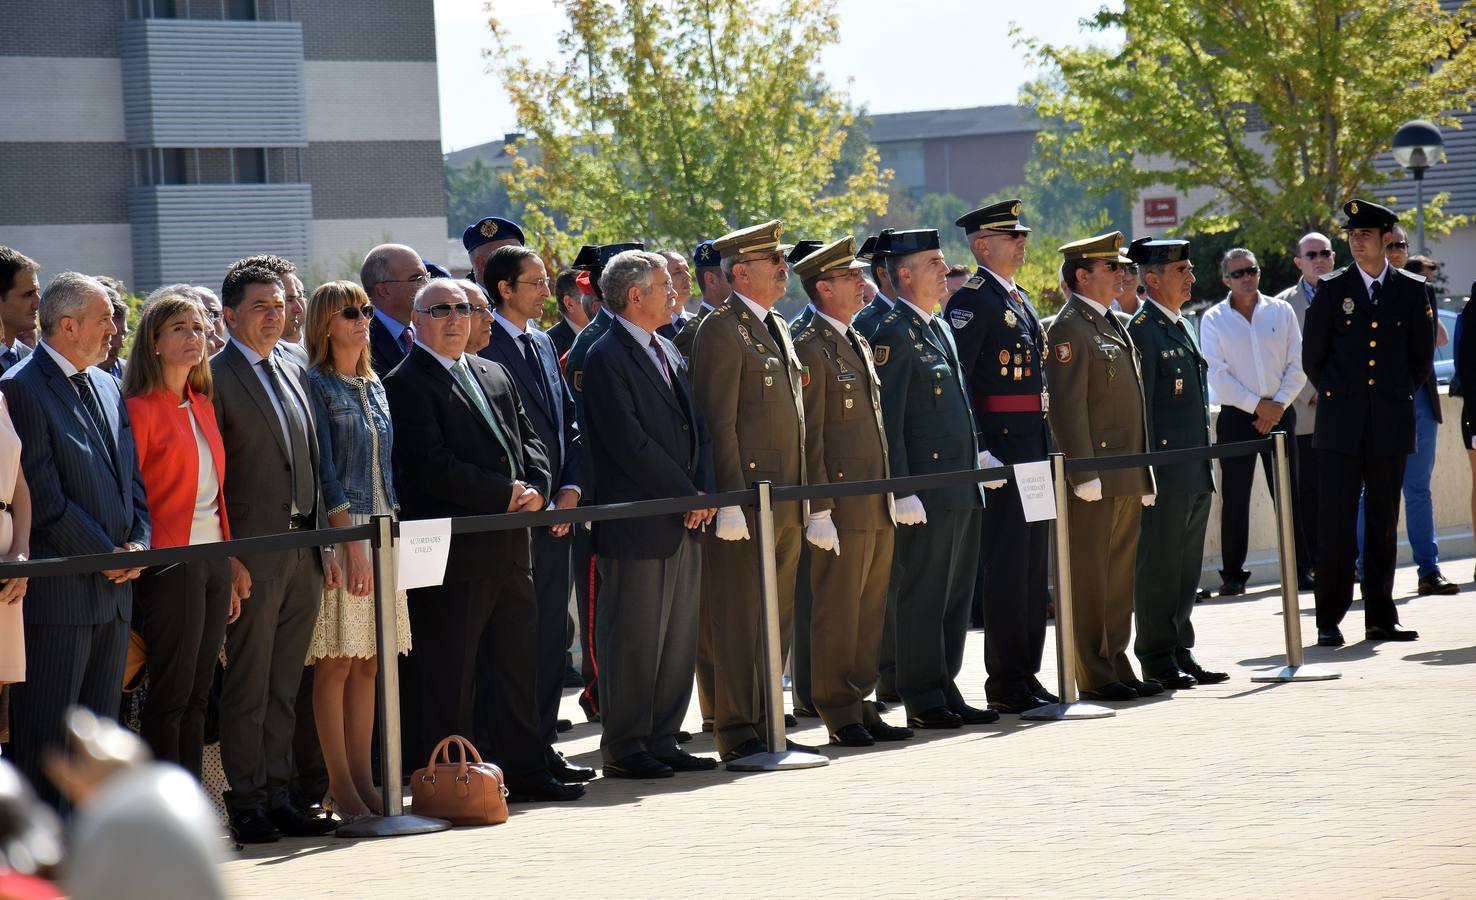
(1419, 510)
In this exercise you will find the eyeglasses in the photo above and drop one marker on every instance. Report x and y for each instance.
(542, 283)
(1112, 266)
(442, 310)
(1132, 268)
(1317, 254)
(214, 315)
(354, 312)
(1396, 245)
(774, 257)
(1241, 273)
(417, 278)
(485, 309)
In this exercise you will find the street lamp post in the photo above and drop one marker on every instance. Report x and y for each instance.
(1418, 146)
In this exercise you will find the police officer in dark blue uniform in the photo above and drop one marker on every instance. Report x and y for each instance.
(1368, 345)
(1000, 341)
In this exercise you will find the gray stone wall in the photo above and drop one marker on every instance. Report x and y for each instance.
(368, 179)
(64, 184)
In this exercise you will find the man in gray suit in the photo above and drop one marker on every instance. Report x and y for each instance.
(20, 295)
(271, 487)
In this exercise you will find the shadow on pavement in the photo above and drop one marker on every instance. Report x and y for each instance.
(1464, 656)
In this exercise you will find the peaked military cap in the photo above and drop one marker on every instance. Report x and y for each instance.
(1002, 217)
(705, 254)
(1103, 246)
(905, 243)
(836, 256)
(1363, 214)
(434, 270)
(1151, 252)
(492, 228)
(594, 257)
(753, 239)
(868, 248)
(802, 249)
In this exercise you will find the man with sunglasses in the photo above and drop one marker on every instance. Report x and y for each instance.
(1314, 258)
(1254, 349)
(390, 275)
(1369, 346)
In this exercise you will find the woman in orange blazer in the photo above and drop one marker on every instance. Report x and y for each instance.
(180, 610)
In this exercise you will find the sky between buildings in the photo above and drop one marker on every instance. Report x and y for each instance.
(891, 57)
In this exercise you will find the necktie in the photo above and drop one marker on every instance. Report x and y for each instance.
(407, 337)
(94, 412)
(1373, 293)
(474, 394)
(661, 360)
(942, 340)
(9, 357)
(303, 490)
(855, 344)
(777, 332)
(535, 368)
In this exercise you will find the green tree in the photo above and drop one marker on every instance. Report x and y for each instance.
(1324, 82)
(473, 191)
(673, 120)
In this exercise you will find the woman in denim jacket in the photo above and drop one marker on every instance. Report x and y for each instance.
(351, 416)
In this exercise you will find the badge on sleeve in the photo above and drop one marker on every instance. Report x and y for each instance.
(958, 318)
(879, 354)
(1063, 352)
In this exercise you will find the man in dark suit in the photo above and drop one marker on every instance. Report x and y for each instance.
(572, 317)
(681, 282)
(20, 294)
(464, 447)
(261, 403)
(1368, 346)
(391, 275)
(518, 284)
(648, 443)
(86, 497)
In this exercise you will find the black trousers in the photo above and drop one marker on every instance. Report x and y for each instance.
(799, 650)
(1380, 478)
(1237, 474)
(66, 665)
(586, 579)
(181, 613)
(934, 566)
(1306, 498)
(551, 587)
(1013, 563)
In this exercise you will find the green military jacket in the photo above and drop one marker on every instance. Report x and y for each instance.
(574, 377)
(688, 334)
(1176, 385)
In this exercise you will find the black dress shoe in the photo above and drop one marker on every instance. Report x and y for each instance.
(1232, 588)
(1435, 583)
(890, 696)
(1039, 690)
(1112, 690)
(547, 790)
(1016, 702)
(682, 761)
(563, 726)
(1390, 633)
(1174, 679)
(937, 717)
(1144, 688)
(251, 826)
(790, 721)
(572, 678)
(852, 735)
(881, 732)
(683, 737)
(568, 772)
(806, 712)
(1202, 595)
(294, 824)
(880, 706)
(707, 728)
(1204, 676)
(638, 765)
(792, 744)
(747, 748)
(1330, 637)
(972, 715)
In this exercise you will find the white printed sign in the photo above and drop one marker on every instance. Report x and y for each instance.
(425, 545)
(1037, 498)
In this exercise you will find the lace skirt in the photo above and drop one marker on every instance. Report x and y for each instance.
(346, 621)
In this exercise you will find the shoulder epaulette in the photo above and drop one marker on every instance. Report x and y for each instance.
(1333, 274)
(976, 282)
(720, 311)
(1140, 318)
(891, 317)
(805, 335)
(1417, 279)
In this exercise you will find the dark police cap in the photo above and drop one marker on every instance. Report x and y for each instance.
(1152, 252)
(868, 249)
(1363, 214)
(905, 243)
(434, 270)
(492, 228)
(1002, 217)
(802, 249)
(705, 254)
(594, 257)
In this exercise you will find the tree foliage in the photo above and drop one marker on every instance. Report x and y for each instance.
(1321, 84)
(676, 120)
(471, 191)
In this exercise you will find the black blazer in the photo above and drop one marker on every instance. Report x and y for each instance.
(448, 462)
(1367, 361)
(83, 499)
(648, 442)
(549, 406)
(384, 351)
(562, 335)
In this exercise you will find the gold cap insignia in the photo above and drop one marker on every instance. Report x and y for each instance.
(1015, 210)
(488, 229)
(1353, 207)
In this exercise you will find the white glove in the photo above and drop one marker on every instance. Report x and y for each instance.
(1150, 499)
(1091, 492)
(820, 532)
(988, 460)
(910, 511)
(731, 525)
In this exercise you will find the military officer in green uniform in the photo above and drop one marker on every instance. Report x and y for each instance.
(845, 439)
(707, 272)
(871, 315)
(1171, 539)
(1097, 409)
(925, 407)
(747, 382)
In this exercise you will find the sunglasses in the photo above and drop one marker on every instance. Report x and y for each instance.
(1241, 273)
(1317, 254)
(442, 310)
(1396, 245)
(353, 313)
(775, 257)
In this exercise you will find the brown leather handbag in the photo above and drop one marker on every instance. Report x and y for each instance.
(466, 792)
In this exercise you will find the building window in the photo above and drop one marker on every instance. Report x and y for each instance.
(215, 165)
(250, 165)
(237, 10)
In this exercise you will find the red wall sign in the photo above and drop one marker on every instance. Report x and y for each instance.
(1160, 210)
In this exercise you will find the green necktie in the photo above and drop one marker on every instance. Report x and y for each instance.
(463, 377)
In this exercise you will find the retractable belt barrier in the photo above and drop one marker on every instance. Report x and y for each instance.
(381, 532)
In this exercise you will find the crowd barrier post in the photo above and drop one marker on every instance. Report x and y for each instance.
(778, 755)
(1291, 614)
(395, 821)
(1069, 707)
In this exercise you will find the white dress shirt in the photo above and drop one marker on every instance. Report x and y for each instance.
(1255, 360)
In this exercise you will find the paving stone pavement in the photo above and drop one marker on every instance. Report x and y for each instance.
(1360, 787)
